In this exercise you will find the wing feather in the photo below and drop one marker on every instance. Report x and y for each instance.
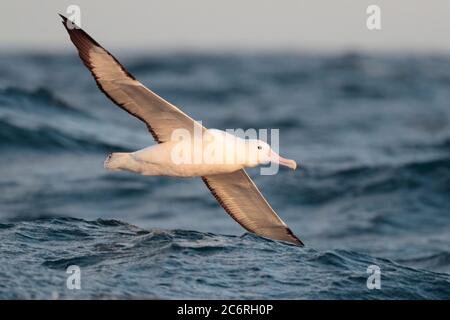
(160, 116)
(241, 199)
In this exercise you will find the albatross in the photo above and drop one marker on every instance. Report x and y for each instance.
(227, 180)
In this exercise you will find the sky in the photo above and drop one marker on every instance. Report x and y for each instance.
(229, 25)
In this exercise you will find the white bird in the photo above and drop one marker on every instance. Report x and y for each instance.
(227, 180)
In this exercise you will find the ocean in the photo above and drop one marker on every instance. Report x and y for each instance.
(371, 133)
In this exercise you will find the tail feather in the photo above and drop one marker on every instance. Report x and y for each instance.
(117, 161)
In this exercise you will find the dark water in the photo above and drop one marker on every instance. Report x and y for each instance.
(371, 132)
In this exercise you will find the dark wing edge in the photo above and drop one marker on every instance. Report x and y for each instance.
(287, 234)
(84, 43)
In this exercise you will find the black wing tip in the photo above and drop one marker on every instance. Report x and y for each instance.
(64, 21)
(73, 27)
(296, 240)
(77, 34)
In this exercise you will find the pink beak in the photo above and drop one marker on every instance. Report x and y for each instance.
(282, 161)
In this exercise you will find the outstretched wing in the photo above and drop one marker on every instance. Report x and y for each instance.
(160, 116)
(235, 191)
(240, 197)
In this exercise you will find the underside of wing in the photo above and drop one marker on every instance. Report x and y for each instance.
(241, 199)
(160, 116)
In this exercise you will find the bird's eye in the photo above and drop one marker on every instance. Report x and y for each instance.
(259, 147)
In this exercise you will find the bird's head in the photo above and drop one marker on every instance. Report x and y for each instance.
(261, 153)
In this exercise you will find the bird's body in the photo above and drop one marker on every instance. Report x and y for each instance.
(185, 148)
(215, 152)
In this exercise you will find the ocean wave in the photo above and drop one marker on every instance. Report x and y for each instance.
(438, 261)
(37, 120)
(34, 100)
(45, 138)
(322, 185)
(187, 264)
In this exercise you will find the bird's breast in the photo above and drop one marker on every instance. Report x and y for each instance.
(184, 160)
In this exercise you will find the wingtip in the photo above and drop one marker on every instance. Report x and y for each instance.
(296, 240)
(64, 21)
(68, 24)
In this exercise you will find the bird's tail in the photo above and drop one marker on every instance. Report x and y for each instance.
(117, 161)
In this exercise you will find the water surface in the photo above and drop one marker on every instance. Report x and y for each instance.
(371, 133)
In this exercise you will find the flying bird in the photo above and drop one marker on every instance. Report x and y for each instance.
(227, 180)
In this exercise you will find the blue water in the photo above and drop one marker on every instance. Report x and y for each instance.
(371, 133)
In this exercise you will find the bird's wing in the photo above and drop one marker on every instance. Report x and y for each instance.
(160, 116)
(236, 192)
(241, 199)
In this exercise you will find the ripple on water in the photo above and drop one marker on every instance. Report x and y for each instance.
(190, 264)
